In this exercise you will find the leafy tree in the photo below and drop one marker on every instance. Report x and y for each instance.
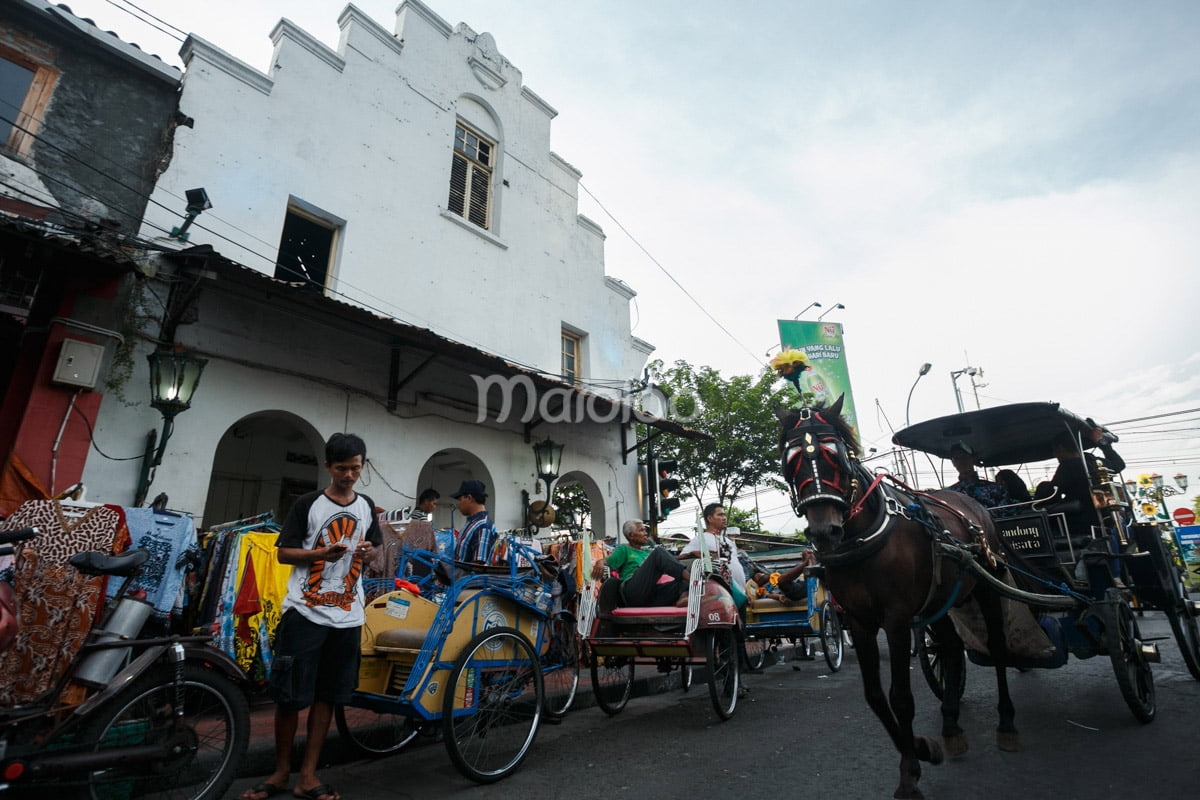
(572, 510)
(738, 413)
(743, 520)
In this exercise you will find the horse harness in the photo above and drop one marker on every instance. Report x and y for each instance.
(822, 442)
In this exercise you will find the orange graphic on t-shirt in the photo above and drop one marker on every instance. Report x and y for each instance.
(340, 528)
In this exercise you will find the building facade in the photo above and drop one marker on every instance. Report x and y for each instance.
(393, 249)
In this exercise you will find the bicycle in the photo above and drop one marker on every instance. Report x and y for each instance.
(161, 717)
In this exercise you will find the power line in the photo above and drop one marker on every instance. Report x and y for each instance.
(666, 272)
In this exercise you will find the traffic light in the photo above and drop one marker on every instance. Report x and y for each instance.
(666, 485)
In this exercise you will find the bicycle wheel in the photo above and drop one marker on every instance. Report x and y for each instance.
(493, 705)
(831, 636)
(612, 682)
(560, 666)
(372, 733)
(723, 678)
(201, 749)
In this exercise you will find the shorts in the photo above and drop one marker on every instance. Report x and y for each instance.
(313, 662)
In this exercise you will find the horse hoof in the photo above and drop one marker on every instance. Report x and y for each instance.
(929, 750)
(956, 744)
(1008, 741)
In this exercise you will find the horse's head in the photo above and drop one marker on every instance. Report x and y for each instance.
(819, 450)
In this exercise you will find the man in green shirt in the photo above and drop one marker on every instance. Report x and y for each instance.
(640, 568)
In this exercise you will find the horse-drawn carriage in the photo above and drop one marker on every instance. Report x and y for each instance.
(1081, 547)
(897, 559)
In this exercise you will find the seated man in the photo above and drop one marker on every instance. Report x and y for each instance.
(987, 493)
(762, 592)
(641, 570)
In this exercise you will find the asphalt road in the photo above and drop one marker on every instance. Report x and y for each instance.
(805, 732)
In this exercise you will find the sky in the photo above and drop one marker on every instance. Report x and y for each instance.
(1009, 186)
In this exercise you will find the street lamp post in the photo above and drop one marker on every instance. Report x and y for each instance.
(973, 372)
(830, 311)
(920, 374)
(1154, 495)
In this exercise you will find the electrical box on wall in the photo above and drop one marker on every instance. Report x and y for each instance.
(78, 364)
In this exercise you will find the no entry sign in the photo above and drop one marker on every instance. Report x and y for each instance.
(1184, 516)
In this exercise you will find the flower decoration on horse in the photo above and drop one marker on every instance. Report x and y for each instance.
(789, 364)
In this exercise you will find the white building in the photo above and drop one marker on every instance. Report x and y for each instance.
(388, 225)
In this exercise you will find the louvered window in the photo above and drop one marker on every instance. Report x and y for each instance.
(471, 177)
(572, 345)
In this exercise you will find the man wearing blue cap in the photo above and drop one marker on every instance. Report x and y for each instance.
(478, 535)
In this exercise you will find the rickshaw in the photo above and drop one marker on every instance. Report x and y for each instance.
(704, 634)
(769, 623)
(462, 649)
(1072, 576)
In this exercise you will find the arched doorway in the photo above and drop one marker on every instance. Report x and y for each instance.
(443, 472)
(263, 462)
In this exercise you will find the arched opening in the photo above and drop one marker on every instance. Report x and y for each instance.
(443, 472)
(579, 507)
(263, 462)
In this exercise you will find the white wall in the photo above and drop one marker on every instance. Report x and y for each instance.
(365, 133)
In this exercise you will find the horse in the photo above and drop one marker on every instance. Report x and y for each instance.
(877, 543)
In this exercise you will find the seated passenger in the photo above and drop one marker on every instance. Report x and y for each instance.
(1018, 492)
(719, 545)
(987, 493)
(763, 591)
(641, 568)
(1072, 480)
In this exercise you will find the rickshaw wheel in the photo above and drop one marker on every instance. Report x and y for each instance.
(560, 665)
(372, 733)
(756, 652)
(493, 705)
(723, 679)
(831, 636)
(612, 682)
(933, 666)
(1123, 642)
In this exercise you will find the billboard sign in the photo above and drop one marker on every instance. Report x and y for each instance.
(829, 376)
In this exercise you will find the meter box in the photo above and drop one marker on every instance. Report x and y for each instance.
(78, 364)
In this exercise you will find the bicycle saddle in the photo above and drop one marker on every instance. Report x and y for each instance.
(97, 563)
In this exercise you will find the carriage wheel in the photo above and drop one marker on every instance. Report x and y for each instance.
(933, 664)
(1186, 628)
(831, 636)
(560, 665)
(721, 650)
(493, 705)
(1124, 644)
(372, 733)
(612, 682)
(756, 652)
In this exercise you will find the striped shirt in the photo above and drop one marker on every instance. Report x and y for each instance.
(477, 538)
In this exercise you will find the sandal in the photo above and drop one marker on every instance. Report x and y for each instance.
(322, 792)
(261, 791)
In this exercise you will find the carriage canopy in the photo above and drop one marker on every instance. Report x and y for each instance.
(1012, 434)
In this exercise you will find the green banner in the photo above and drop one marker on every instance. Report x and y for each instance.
(829, 375)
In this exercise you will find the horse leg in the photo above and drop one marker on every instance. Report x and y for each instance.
(950, 654)
(1007, 738)
(913, 749)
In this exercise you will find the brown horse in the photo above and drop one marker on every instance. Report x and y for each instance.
(878, 545)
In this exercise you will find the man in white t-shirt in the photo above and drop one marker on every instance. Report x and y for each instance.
(719, 544)
(327, 537)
